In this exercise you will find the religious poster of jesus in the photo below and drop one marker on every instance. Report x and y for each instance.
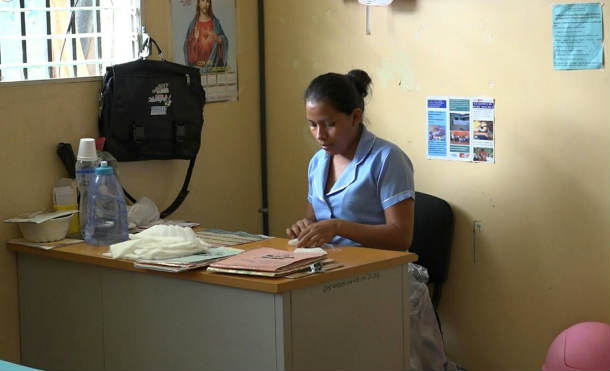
(204, 37)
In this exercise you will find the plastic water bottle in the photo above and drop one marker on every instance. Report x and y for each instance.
(86, 162)
(107, 211)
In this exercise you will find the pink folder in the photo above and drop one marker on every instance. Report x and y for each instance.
(268, 259)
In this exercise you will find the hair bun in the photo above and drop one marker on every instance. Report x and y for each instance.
(362, 81)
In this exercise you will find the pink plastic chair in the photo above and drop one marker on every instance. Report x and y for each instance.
(583, 346)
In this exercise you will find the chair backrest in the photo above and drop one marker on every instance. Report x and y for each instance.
(432, 235)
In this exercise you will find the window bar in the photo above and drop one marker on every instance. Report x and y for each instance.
(98, 39)
(69, 36)
(61, 9)
(73, 27)
(24, 49)
(49, 43)
(135, 42)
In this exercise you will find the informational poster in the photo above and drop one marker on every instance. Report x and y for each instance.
(482, 113)
(577, 36)
(203, 36)
(460, 128)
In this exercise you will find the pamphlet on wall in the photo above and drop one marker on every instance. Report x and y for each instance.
(578, 36)
(460, 128)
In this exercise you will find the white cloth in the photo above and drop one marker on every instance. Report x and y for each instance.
(295, 241)
(159, 242)
(308, 249)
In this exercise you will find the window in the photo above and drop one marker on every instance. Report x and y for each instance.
(48, 39)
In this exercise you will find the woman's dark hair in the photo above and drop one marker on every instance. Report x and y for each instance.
(344, 92)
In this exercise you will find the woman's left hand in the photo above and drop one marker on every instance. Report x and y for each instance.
(318, 233)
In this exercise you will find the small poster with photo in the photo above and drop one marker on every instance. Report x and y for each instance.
(460, 128)
(204, 36)
(483, 147)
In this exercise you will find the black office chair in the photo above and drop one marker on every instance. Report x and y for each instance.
(432, 236)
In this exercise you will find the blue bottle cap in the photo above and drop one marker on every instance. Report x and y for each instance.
(104, 169)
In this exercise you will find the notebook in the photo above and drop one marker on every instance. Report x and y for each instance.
(266, 261)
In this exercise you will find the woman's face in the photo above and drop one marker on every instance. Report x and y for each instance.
(334, 131)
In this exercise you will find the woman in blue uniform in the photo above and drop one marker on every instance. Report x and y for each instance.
(361, 189)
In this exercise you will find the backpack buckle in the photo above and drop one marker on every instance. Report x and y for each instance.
(137, 131)
(179, 132)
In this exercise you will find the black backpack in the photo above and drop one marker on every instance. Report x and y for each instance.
(152, 110)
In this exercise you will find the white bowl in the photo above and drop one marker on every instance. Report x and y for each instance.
(51, 230)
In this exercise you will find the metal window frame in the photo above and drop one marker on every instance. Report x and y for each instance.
(24, 45)
(134, 6)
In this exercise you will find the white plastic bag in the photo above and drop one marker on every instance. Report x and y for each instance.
(143, 212)
(427, 349)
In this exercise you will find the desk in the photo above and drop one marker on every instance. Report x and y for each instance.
(81, 310)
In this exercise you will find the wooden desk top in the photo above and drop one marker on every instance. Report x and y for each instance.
(355, 260)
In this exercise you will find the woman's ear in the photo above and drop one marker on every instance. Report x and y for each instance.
(356, 116)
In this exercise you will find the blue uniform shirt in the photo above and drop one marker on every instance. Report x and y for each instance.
(379, 176)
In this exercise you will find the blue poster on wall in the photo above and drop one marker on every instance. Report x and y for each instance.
(577, 36)
(437, 128)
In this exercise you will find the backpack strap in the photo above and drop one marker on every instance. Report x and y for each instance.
(183, 191)
(179, 198)
(129, 197)
(146, 48)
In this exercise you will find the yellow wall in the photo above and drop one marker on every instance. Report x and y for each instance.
(225, 187)
(542, 252)
(543, 247)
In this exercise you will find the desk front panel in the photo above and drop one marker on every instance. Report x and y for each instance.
(357, 323)
(60, 305)
(75, 315)
(81, 317)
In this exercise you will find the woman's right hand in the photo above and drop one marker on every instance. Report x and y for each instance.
(295, 230)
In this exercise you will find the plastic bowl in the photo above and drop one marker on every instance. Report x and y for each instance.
(52, 230)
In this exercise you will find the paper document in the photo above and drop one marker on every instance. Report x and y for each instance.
(577, 36)
(327, 265)
(219, 237)
(40, 216)
(180, 223)
(45, 245)
(295, 272)
(189, 262)
(266, 259)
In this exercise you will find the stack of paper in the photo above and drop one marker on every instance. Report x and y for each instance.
(181, 223)
(268, 262)
(40, 216)
(46, 245)
(189, 262)
(219, 237)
